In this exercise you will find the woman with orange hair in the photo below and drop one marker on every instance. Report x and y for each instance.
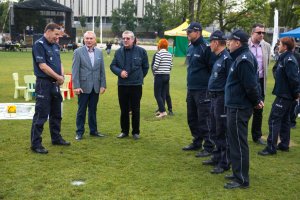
(161, 70)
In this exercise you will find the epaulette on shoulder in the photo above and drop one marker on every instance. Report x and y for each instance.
(225, 57)
(244, 57)
(290, 59)
(40, 41)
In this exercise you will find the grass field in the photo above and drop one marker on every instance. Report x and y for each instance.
(153, 167)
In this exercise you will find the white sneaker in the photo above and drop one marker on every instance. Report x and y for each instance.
(162, 115)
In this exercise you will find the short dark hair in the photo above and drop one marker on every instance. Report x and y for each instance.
(257, 25)
(51, 26)
(289, 42)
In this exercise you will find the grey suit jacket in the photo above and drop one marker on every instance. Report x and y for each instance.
(266, 53)
(86, 76)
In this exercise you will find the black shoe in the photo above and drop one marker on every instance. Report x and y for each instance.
(170, 113)
(282, 149)
(122, 135)
(97, 134)
(229, 177)
(191, 147)
(40, 150)
(203, 154)
(218, 170)
(234, 184)
(136, 136)
(61, 142)
(78, 137)
(209, 162)
(265, 152)
(260, 141)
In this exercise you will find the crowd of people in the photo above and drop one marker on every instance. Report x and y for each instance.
(226, 85)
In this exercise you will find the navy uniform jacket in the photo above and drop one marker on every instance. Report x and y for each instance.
(200, 61)
(220, 72)
(137, 69)
(286, 76)
(242, 89)
(45, 52)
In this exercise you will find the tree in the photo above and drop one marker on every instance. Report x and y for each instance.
(82, 21)
(116, 21)
(97, 22)
(148, 18)
(4, 16)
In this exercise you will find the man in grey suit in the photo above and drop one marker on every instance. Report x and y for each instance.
(261, 50)
(88, 81)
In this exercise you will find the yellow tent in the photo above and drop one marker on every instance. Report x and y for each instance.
(178, 31)
(180, 39)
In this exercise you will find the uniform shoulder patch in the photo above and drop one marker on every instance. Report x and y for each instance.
(225, 57)
(290, 59)
(244, 57)
(41, 42)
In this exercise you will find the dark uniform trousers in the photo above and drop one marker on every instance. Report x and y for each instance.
(130, 98)
(237, 127)
(198, 108)
(48, 103)
(218, 123)
(87, 100)
(279, 124)
(258, 116)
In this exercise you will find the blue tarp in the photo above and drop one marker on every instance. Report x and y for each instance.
(293, 33)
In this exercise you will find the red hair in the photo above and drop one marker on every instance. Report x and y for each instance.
(163, 44)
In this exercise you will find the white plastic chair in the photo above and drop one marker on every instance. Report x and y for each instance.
(18, 88)
(30, 83)
(65, 87)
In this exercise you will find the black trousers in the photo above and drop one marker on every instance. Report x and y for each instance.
(198, 108)
(48, 103)
(85, 101)
(237, 127)
(258, 116)
(219, 131)
(279, 124)
(161, 85)
(130, 97)
(295, 110)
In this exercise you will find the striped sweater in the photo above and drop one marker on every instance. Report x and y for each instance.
(162, 62)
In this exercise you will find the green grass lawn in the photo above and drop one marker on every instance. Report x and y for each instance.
(153, 167)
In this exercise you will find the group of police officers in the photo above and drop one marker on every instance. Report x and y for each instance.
(222, 91)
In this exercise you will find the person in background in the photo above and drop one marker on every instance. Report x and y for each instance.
(108, 48)
(216, 85)
(161, 69)
(262, 52)
(49, 76)
(286, 90)
(241, 95)
(88, 76)
(130, 64)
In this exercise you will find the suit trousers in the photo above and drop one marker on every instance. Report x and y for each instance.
(48, 103)
(258, 116)
(85, 101)
(198, 108)
(237, 127)
(130, 98)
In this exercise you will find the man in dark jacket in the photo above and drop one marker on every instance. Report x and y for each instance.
(241, 95)
(131, 65)
(198, 101)
(286, 90)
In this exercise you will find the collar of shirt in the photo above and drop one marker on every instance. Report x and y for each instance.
(90, 50)
(255, 45)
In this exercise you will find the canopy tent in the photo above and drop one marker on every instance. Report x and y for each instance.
(293, 33)
(180, 38)
(45, 5)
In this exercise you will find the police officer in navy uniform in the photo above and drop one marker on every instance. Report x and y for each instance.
(198, 101)
(220, 156)
(286, 90)
(48, 71)
(241, 95)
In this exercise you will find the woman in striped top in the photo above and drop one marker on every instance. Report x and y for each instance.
(161, 69)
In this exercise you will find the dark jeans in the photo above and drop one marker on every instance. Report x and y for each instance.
(279, 124)
(258, 116)
(161, 85)
(198, 108)
(218, 124)
(130, 97)
(48, 103)
(85, 101)
(237, 127)
(295, 110)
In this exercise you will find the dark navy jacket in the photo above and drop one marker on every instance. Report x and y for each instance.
(220, 72)
(45, 52)
(137, 69)
(200, 61)
(286, 74)
(242, 89)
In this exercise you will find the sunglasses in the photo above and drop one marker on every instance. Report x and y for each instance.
(260, 32)
(189, 31)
